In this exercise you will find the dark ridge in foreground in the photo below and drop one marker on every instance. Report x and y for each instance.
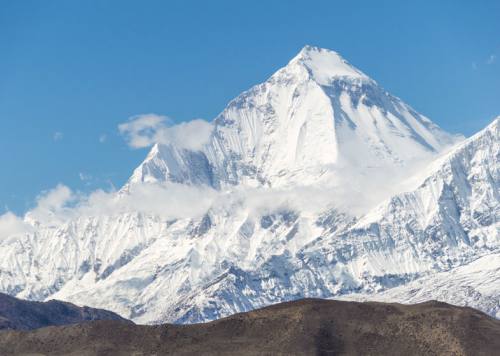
(18, 314)
(305, 327)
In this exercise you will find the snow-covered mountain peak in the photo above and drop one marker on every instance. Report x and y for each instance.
(325, 65)
(309, 120)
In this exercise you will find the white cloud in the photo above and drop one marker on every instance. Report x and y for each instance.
(10, 225)
(54, 206)
(61, 205)
(170, 201)
(58, 136)
(146, 130)
(103, 138)
(491, 59)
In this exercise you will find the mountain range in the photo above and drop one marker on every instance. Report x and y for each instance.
(315, 183)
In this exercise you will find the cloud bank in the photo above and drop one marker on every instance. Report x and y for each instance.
(170, 201)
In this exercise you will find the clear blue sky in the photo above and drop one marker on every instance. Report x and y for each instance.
(71, 71)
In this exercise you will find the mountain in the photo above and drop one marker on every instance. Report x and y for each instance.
(320, 184)
(17, 314)
(306, 327)
(316, 115)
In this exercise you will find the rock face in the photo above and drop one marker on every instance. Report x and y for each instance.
(398, 205)
(306, 327)
(17, 314)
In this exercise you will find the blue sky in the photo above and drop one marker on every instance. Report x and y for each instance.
(72, 71)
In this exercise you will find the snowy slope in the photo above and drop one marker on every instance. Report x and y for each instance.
(320, 192)
(474, 285)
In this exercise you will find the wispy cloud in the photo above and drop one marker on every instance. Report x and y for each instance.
(474, 66)
(146, 130)
(491, 59)
(84, 177)
(103, 138)
(58, 136)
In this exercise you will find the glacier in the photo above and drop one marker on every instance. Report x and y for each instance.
(315, 183)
